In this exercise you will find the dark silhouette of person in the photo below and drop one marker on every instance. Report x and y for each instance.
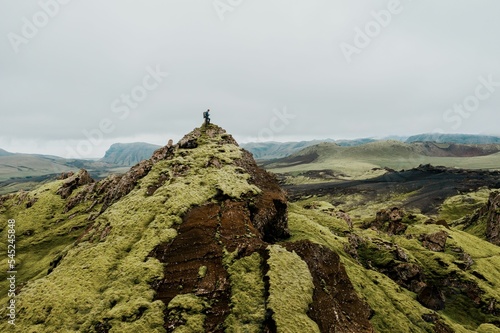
(206, 116)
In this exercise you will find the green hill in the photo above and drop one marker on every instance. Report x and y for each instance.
(273, 150)
(369, 160)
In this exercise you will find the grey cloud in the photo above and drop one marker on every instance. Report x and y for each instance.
(265, 55)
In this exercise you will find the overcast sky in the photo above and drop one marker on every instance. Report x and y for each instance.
(78, 75)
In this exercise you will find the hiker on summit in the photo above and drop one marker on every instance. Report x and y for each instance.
(206, 116)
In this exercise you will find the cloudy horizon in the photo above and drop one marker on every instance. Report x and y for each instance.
(78, 76)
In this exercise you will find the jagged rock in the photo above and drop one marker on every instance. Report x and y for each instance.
(396, 228)
(407, 271)
(269, 211)
(387, 258)
(430, 317)
(396, 215)
(163, 153)
(188, 144)
(65, 175)
(491, 306)
(401, 254)
(351, 248)
(455, 284)
(343, 215)
(443, 223)
(115, 187)
(432, 298)
(489, 214)
(390, 221)
(465, 261)
(439, 222)
(435, 242)
(441, 327)
(493, 219)
(73, 182)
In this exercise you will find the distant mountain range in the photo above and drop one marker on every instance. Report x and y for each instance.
(24, 171)
(271, 150)
(128, 154)
(18, 171)
(454, 138)
(4, 153)
(275, 150)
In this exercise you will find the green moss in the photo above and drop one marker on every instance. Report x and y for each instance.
(488, 328)
(316, 227)
(461, 310)
(395, 309)
(43, 231)
(370, 254)
(202, 272)
(189, 309)
(290, 291)
(247, 295)
(458, 206)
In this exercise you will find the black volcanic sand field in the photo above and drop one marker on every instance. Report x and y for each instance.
(432, 185)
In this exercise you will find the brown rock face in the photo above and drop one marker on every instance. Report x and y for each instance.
(269, 213)
(493, 220)
(390, 221)
(396, 264)
(336, 306)
(491, 214)
(195, 247)
(73, 182)
(441, 327)
(432, 298)
(435, 242)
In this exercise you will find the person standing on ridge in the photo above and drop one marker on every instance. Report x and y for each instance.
(206, 116)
